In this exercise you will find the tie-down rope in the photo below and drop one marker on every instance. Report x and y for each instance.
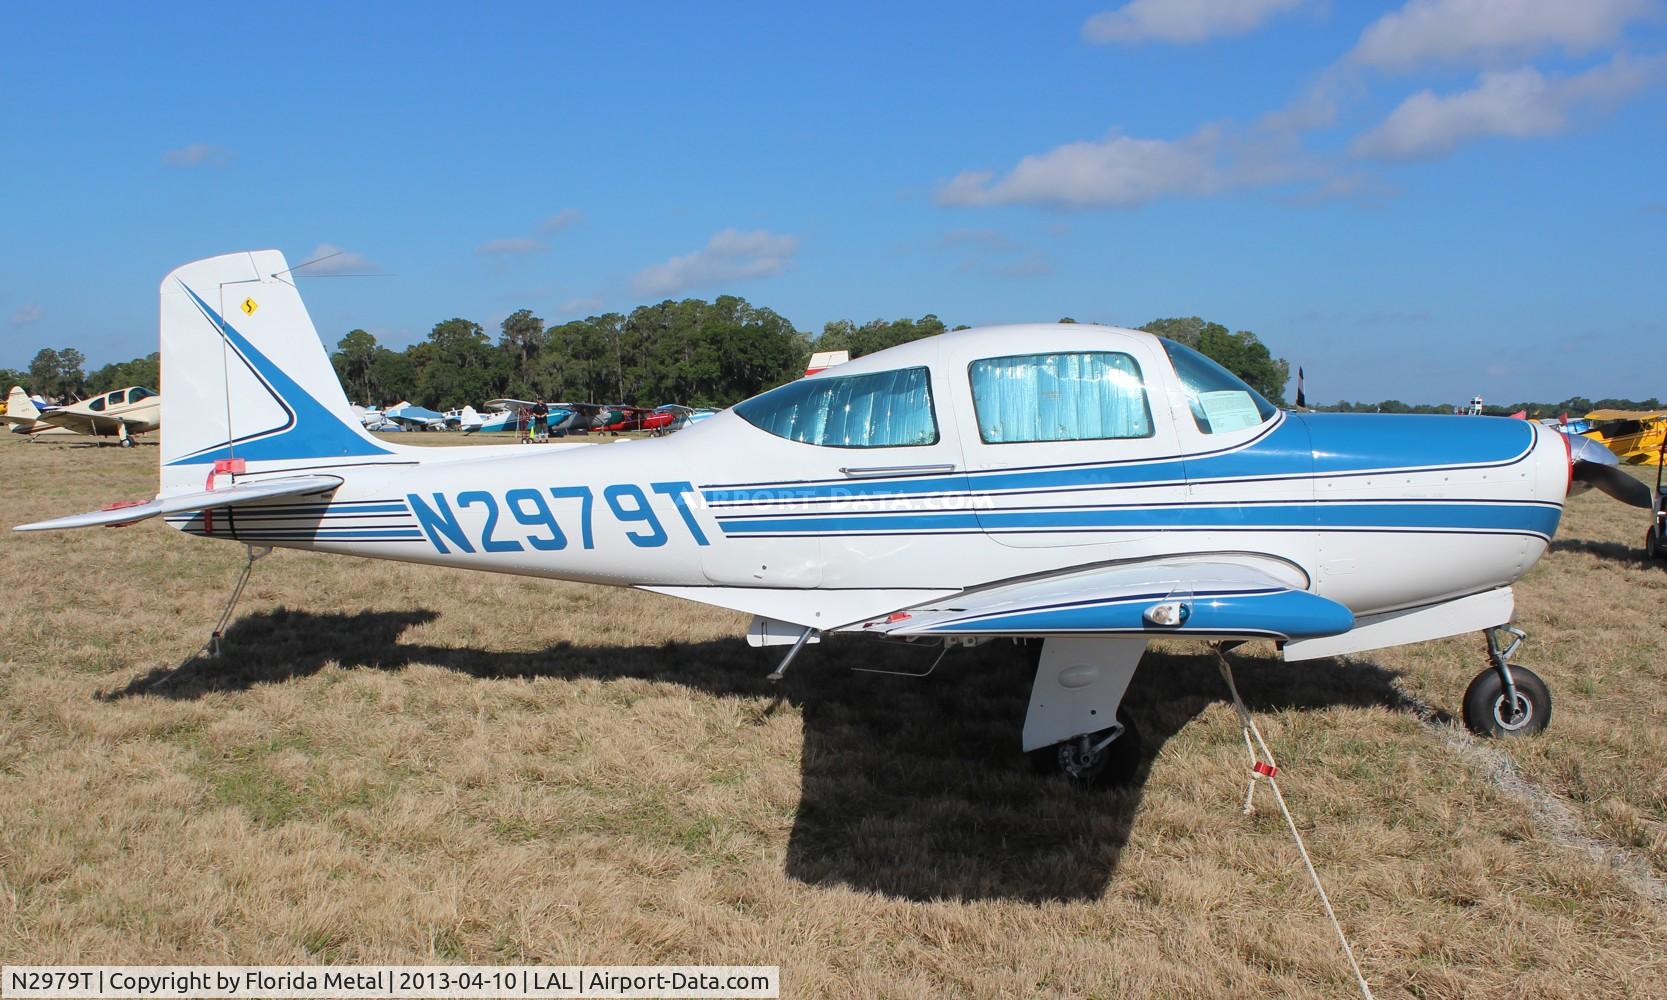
(1265, 767)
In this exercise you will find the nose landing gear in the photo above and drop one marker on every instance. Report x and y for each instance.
(1505, 699)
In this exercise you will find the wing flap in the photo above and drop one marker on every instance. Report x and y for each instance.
(1204, 599)
(179, 503)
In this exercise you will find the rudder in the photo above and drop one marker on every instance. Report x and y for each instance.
(18, 404)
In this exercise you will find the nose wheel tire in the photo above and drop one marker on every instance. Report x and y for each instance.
(1113, 766)
(1487, 711)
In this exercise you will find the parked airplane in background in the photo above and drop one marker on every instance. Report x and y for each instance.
(1635, 436)
(683, 416)
(1091, 487)
(415, 418)
(120, 413)
(517, 415)
(23, 416)
(637, 418)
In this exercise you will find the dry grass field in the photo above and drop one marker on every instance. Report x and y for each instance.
(396, 763)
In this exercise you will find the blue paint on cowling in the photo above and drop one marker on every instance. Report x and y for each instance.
(312, 431)
(1286, 614)
(1346, 442)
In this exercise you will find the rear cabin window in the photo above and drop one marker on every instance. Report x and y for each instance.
(1091, 396)
(882, 410)
(97, 405)
(118, 397)
(1220, 401)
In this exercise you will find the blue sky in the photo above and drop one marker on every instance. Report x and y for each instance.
(1422, 200)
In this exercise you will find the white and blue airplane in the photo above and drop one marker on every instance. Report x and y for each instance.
(1090, 487)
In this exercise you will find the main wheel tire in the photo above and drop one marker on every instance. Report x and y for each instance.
(1652, 544)
(1485, 710)
(1114, 767)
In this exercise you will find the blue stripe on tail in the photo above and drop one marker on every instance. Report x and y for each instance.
(312, 430)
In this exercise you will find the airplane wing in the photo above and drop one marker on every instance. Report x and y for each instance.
(518, 405)
(83, 423)
(179, 503)
(1215, 599)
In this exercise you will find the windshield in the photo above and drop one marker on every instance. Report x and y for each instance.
(882, 410)
(1219, 400)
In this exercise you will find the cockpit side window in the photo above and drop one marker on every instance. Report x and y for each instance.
(139, 392)
(1218, 399)
(97, 405)
(118, 397)
(881, 410)
(1088, 396)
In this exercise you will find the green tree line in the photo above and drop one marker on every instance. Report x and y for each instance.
(690, 351)
(1574, 406)
(61, 374)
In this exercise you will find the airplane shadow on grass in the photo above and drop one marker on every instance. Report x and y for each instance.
(914, 788)
(1613, 551)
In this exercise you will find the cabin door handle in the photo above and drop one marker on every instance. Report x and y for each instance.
(867, 472)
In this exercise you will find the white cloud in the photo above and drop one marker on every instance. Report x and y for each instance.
(730, 255)
(198, 154)
(1115, 171)
(28, 314)
(1120, 171)
(564, 219)
(511, 245)
(1516, 104)
(329, 259)
(1488, 31)
(1181, 21)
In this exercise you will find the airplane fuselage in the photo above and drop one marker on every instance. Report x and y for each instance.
(1355, 508)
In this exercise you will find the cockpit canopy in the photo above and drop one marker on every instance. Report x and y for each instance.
(1051, 396)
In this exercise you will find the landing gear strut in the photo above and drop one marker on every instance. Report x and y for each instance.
(1506, 699)
(1109, 758)
(1077, 726)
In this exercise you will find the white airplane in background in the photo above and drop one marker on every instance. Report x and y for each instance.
(1087, 486)
(119, 413)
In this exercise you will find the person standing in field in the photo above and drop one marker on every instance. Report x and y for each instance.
(541, 421)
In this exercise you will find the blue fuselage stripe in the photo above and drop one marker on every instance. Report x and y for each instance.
(1313, 445)
(1535, 518)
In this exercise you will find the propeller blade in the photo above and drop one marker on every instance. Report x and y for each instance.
(1611, 480)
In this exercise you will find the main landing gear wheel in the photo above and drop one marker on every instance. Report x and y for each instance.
(1111, 766)
(1488, 712)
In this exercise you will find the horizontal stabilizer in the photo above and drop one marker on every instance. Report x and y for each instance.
(1214, 599)
(179, 503)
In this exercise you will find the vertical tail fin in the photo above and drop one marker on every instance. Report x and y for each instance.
(18, 404)
(246, 374)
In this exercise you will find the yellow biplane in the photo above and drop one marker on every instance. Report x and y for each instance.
(1635, 436)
